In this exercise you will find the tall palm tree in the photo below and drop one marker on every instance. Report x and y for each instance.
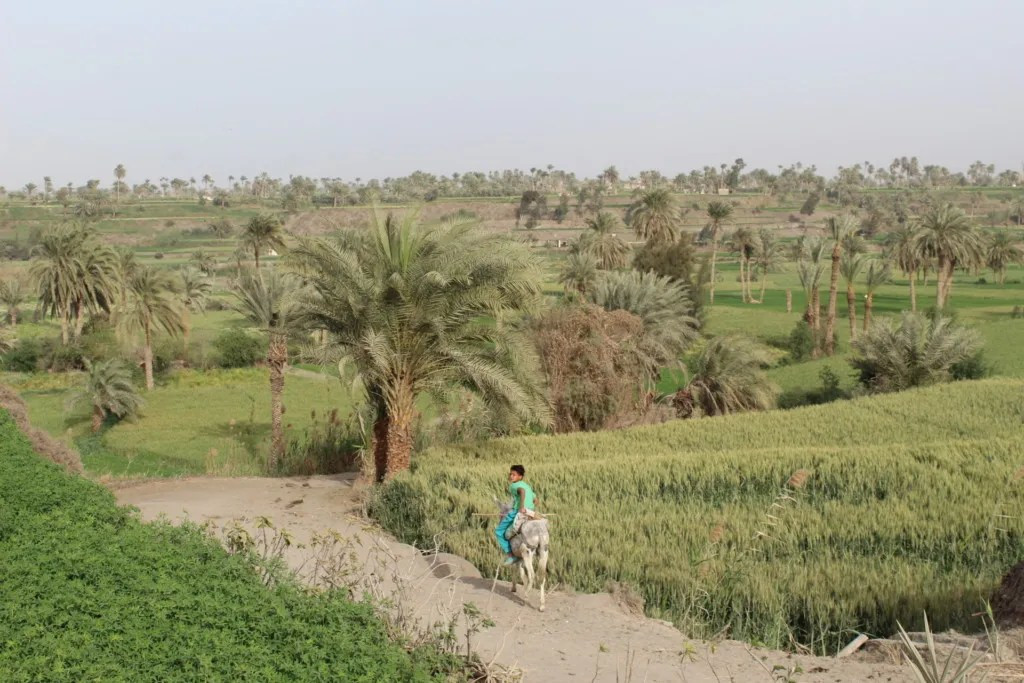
(108, 390)
(877, 274)
(261, 233)
(97, 282)
(1003, 250)
(654, 216)
(12, 295)
(767, 257)
(946, 234)
(810, 266)
(902, 246)
(850, 267)
(204, 261)
(726, 377)
(579, 272)
(153, 303)
(195, 290)
(126, 265)
(119, 174)
(743, 243)
(266, 300)
(603, 243)
(719, 214)
(838, 229)
(409, 304)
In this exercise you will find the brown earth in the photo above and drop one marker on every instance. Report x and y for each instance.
(598, 637)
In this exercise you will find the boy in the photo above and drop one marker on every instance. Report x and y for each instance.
(523, 500)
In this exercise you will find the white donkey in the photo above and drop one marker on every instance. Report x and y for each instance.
(531, 540)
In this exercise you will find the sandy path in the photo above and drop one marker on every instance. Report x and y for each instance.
(578, 638)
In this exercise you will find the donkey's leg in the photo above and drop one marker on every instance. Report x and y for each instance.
(542, 572)
(527, 565)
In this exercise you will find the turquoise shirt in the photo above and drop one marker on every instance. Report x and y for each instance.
(529, 498)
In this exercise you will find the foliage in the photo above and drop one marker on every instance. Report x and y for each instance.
(603, 243)
(579, 272)
(263, 232)
(916, 351)
(23, 357)
(237, 348)
(326, 446)
(654, 216)
(801, 342)
(107, 390)
(932, 669)
(726, 377)
(91, 593)
(892, 519)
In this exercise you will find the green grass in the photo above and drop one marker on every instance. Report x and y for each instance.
(90, 593)
(901, 512)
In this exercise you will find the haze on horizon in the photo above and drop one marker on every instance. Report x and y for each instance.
(369, 89)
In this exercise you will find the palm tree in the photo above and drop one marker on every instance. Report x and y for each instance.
(809, 268)
(195, 290)
(12, 295)
(204, 261)
(601, 241)
(654, 216)
(877, 274)
(726, 377)
(261, 233)
(266, 300)
(579, 272)
(119, 174)
(743, 243)
(902, 245)
(838, 229)
(946, 234)
(409, 304)
(767, 257)
(1003, 250)
(719, 214)
(108, 390)
(97, 281)
(850, 268)
(152, 303)
(915, 352)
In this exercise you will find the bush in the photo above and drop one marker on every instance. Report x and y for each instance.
(92, 593)
(974, 367)
(830, 390)
(325, 447)
(801, 342)
(24, 357)
(238, 349)
(158, 255)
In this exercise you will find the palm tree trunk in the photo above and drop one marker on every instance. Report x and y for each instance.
(789, 300)
(186, 330)
(380, 444)
(943, 283)
(79, 319)
(64, 315)
(851, 309)
(913, 291)
(147, 359)
(277, 356)
(714, 259)
(869, 302)
(394, 433)
(256, 254)
(97, 418)
(13, 313)
(764, 283)
(833, 295)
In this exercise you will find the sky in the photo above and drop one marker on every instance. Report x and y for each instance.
(382, 88)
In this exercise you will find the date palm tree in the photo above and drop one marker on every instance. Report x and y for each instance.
(204, 261)
(195, 290)
(850, 268)
(810, 266)
(719, 214)
(261, 233)
(726, 377)
(946, 234)
(877, 274)
(603, 243)
(409, 304)
(743, 243)
(266, 299)
(767, 257)
(152, 303)
(902, 246)
(108, 390)
(838, 230)
(579, 272)
(13, 294)
(1003, 251)
(654, 216)
(119, 174)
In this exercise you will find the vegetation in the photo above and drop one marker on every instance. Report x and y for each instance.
(726, 377)
(107, 390)
(896, 512)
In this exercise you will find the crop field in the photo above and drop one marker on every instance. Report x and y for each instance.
(792, 526)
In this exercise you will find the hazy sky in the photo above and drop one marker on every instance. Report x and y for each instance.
(372, 89)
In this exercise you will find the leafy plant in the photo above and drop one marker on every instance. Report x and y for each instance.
(930, 668)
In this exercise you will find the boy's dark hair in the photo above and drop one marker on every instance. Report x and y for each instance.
(518, 468)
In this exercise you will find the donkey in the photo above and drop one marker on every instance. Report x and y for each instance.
(531, 540)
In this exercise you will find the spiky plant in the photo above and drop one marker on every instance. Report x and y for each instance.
(410, 305)
(579, 272)
(13, 294)
(654, 216)
(603, 243)
(727, 377)
(915, 351)
(107, 390)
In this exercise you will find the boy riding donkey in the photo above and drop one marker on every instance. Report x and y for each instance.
(524, 502)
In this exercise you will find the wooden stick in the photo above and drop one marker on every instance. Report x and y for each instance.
(853, 646)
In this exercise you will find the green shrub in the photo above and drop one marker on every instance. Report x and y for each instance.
(91, 593)
(801, 342)
(24, 357)
(238, 349)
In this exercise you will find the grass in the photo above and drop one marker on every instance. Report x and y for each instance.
(91, 593)
(900, 512)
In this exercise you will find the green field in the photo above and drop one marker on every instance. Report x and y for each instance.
(912, 502)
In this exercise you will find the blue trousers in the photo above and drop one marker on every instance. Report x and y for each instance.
(503, 526)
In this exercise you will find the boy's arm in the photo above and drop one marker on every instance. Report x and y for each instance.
(522, 499)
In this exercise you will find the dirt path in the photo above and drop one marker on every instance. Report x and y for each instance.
(578, 638)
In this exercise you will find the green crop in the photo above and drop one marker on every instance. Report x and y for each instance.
(89, 593)
(904, 503)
